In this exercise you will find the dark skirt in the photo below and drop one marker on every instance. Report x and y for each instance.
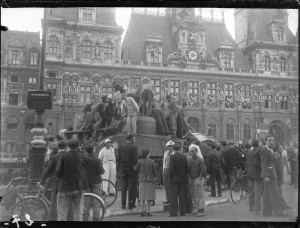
(147, 191)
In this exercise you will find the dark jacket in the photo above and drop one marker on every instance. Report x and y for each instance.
(232, 158)
(49, 171)
(94, 169)
(146, 168)
(267, 163)
(205, 150)
(71, 171)
(127, 157)
(196, 167)
(254, 168)
(279, 168)
(215, 161)
(178, 168)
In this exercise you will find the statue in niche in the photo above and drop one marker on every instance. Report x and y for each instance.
(184, 92)
(255, 94)
(75, 86)
(203, 93)
(293, 99)
(277, 96)
(260, 95)
(274, 64)
(239, 95)
(173, 56)
(97, 87)
(97, 51)
(221, 95)
(67, 88)
(192, 100)
(210, 99)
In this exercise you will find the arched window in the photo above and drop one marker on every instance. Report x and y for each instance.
(108, 50)
(282, 64)
(12, 123)
(86, 49)
(68, 48)
(16, 57)
(267, 63)
(29, 124)
(227, 60)
(54, 45)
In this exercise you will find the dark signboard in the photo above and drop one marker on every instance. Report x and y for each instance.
(39, 100)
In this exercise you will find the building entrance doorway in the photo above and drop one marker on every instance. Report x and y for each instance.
(280, 131)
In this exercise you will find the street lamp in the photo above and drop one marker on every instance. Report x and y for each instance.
(38, 143)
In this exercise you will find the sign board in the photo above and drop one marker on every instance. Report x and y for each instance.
(39, 99)
(262, 130)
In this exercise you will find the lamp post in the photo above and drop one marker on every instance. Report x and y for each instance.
(38, 144)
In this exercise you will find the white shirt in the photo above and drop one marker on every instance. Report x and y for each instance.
(199, 154)
(107, 155)
(166, 162)
(284, 154)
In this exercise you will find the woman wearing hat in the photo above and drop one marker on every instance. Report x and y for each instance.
(107, 155)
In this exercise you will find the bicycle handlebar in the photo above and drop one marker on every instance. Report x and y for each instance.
(16, 179)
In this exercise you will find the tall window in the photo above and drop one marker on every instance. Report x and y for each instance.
(13, 97)
(33, 58)
(32, 80)
(246, 92)
(284, 103)
(14, 78)
(156, 87)
(85, 94)
(11, 147)
(227, 60)
(154, 55)
(280, 33)
(68, 48)
(175, 88)
(86, 49)
(282, 64)
(229, 131)
(135, 83)
(29, 124)
(52, 87)
(194, 88)
(16, 55)
(267, 63)
(229, 92)
(54, 45)
(268, 101)
(247, 131)
(212, 130)
(211, 88)
(12, 124)
(87, 14)
(108, 50)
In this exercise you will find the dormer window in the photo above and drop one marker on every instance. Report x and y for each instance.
(86, 49)
(227, 60)
(87, 14)
(154, 56)
(279, 33)
(154, 49)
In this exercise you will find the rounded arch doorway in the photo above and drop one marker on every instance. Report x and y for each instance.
(280, 131)
(194, 122)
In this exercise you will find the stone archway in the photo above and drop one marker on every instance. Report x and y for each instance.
(280, 131)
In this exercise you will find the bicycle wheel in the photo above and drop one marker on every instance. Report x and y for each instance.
(36, 208)
(109, 196)
(236, 191)
(94, 207)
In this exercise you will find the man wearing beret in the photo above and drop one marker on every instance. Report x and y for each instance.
(126, 161)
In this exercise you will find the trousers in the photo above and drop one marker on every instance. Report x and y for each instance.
(258, 194)
(272, 201)
(96, 189)
(215, 177)
(197, 193)
(109, 174)
(166, 182)
(67, 202)
(162, 125)
(173, 123)
(229, 177)
(178, 191)
(147, 97)
(129, 181)
(131, 121)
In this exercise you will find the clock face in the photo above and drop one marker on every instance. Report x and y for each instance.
(193, 55)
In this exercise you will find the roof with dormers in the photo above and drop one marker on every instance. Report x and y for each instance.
(258, 23)
(142, 25)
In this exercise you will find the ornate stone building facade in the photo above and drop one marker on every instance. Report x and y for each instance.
(230, 85)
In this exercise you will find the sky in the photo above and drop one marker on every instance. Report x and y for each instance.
(29, 19)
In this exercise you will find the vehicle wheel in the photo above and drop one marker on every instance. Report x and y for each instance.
(93, 204)
(36, 208)
(152, 202)
(236, 191)
(109, 197)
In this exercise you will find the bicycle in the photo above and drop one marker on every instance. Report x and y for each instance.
(239, 188)
(109, 197)
(37, 206)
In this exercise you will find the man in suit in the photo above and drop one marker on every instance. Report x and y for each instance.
(256, 187)
(173, 113)
(178, 180)
(49, 171)
(90, 121)
(126, 161)
(272, 201)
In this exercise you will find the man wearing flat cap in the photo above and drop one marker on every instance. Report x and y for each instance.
(166, 162)
(107, 155)
(126, 161)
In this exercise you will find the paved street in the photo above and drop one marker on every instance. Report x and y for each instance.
(224, 212)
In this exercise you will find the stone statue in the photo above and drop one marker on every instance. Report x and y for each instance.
(173, 56)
